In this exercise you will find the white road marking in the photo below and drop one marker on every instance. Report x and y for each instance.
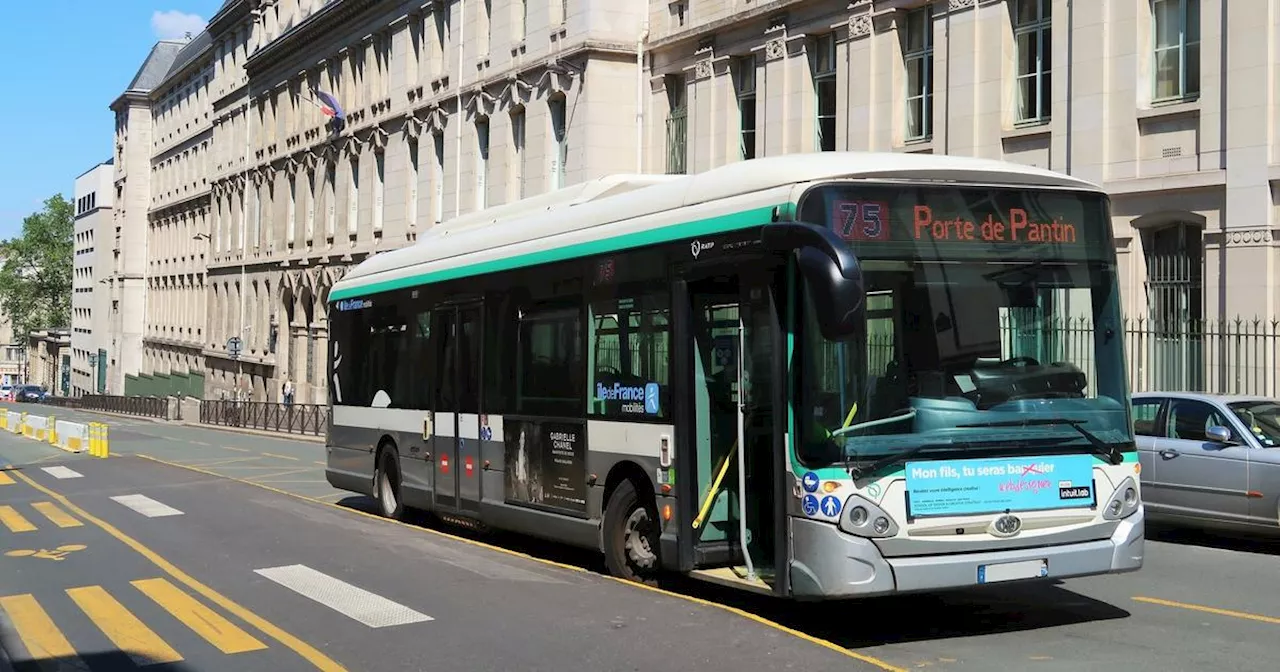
(361, 605)
(146, 506)
(61, 472)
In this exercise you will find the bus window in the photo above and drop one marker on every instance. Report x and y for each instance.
(630, 353)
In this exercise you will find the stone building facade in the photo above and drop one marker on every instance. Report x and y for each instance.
(93, 195)
(1131, 94)
(449, 107)
(454, 105)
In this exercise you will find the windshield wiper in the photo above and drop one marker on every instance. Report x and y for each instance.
(1107, 450)
(859, 471)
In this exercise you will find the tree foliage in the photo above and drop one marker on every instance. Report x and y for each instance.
(35, 279)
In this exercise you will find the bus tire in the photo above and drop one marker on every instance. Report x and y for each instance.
(388, 485)
(631, 535)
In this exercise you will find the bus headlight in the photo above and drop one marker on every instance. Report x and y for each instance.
(865, 519)
(1124, 501)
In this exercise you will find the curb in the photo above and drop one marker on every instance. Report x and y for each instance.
(252, 432)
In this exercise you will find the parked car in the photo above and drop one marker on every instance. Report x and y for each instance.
(30, 393)
(6, 392)
(1210, 460)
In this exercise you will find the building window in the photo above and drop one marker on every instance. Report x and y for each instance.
(1174, 256)
(918, 57)
(1034, 41)
(411, 181)
(824, 89)
(677, 125)
(482, 163)
(379, 190)
(558, 134)
(517, 147)
(1177, 48)
(745, 82)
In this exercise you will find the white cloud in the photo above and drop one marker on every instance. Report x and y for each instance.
(174, 25)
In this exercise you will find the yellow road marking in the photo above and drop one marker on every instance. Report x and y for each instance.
(288, 472)
(124, 629)
(306, 651)
(55, 515)
(283, 457)
(206, 622)
(832, 646)
(224, 461)
(1210, 610)
(44, 641)
(5, 479)
(14, 520)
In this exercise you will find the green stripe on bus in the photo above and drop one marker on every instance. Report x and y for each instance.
(701, 227)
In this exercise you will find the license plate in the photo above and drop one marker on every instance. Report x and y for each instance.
(1012, 571)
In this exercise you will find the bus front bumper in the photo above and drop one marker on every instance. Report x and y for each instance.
(830, 564)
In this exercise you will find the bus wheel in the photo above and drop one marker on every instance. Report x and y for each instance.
(389, 486)
(630, 536)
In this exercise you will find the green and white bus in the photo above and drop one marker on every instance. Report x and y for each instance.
(814, 376)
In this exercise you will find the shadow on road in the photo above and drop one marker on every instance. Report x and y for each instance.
(105, 661)
(852, 624)
(1226, 541)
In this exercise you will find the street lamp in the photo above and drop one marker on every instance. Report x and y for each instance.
(93, 372)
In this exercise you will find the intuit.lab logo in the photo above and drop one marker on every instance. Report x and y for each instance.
(635, 399)
(354, 304)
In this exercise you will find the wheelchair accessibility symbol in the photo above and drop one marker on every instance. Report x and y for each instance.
(56, 555)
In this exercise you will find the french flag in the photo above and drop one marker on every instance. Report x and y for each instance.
(329, 107)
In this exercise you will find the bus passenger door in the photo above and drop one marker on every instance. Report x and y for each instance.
(445, 428)
(456, 440)
(731, 333)
(467, 445)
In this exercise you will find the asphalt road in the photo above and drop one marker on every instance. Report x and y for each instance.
(1200, 602)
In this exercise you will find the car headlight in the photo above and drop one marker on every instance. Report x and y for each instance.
(865, 519)
(1124, 501)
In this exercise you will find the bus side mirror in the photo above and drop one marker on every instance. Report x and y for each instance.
(832, 271)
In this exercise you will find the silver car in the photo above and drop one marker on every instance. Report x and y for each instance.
(1210, 460)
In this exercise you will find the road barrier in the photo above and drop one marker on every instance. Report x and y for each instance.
(73, 437)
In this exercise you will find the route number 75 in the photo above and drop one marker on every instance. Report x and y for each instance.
(861, 220)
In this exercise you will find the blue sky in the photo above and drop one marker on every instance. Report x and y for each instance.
(66, 60)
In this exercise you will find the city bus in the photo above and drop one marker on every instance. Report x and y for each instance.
(813, 376)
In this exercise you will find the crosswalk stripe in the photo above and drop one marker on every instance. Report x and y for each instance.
(207, 623)
(43, 639)
(361, 605)
(14, 520)
(55, 515)
(61, 472)
(5, 479)
(146, 506)
(124, 629)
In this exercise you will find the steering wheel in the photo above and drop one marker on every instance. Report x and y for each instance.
(1029, 361)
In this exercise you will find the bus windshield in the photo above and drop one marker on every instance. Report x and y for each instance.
(992, 324)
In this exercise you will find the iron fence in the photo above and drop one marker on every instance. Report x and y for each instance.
(1229, 356)
(148, 407)
(309, 419)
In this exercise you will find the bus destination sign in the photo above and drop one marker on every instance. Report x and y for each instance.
(875, 221)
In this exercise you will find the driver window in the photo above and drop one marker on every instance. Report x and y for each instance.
(1189, 419)
(1144, 417)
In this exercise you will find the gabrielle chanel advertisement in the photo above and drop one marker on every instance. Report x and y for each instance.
(546, 465)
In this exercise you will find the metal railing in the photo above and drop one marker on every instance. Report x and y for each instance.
(1230, 356)
(309, 419)
(148, 407)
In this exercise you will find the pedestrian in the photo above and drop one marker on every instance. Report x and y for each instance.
(286, 391)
